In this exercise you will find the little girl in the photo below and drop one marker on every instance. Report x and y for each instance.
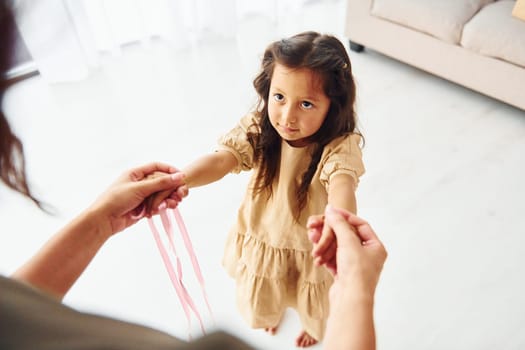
(301, 141)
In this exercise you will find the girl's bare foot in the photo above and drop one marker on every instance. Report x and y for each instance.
(305, 340)
(272, 330)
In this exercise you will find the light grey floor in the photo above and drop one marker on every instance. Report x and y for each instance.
(444, 187)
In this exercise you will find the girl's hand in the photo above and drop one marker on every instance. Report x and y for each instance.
(324, 241)
(170, 198)
(118, 207)
(355, 227)
(315, 226)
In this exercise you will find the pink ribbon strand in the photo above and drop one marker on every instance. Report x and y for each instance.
(175, 275)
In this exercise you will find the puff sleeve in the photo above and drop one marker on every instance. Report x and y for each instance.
(236, 142)
(342, 156)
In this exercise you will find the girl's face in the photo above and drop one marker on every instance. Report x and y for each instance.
(297, 104)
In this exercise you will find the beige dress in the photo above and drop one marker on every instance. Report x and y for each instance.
(267, 251)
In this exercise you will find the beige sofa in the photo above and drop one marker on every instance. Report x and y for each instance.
(474, 43)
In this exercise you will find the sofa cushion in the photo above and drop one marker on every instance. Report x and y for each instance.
(494, 32)
(443, 19)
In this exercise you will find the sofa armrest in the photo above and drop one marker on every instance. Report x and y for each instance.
(490, 76)
(357, 16)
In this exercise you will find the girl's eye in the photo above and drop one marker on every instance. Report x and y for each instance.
(306, 105)
(278, 97)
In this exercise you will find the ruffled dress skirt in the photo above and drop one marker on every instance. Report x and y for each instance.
(271, 279)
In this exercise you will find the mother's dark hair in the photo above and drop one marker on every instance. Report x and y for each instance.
(327, 57)
(12, 160)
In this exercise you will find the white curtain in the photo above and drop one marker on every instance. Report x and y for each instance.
(66, 38)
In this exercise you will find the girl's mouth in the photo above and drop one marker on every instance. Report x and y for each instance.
(288, 130)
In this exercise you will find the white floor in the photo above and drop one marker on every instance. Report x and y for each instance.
(444, 187)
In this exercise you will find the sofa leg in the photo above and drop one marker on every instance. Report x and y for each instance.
(355, 46)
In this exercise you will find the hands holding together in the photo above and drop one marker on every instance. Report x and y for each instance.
(131, 196)
(348, 241)
(355, 256)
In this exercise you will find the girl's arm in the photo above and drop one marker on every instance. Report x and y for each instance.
(205, 170)
(209, 168)
(341, 194)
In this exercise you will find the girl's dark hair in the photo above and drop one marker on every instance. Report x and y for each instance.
(12, 160)
(326, 56)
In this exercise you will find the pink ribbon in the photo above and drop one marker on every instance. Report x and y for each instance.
(175, 275)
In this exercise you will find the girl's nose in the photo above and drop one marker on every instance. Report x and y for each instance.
(289, 116)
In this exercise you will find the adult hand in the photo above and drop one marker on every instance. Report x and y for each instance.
(360, 256)
(359, 260)
(59, 263)
(120, 205)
